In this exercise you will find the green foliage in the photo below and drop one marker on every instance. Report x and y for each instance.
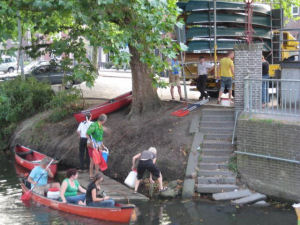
(63, 104)
(232, 165)
(20, 99)
(113, 25)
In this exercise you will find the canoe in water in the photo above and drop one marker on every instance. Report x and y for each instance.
(121, 213)
(29, 158)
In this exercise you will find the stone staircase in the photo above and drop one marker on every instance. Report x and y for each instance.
(213, 175)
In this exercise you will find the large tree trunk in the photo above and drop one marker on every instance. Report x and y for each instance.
(145, 98)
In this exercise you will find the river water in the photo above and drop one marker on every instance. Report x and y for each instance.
(177, 212)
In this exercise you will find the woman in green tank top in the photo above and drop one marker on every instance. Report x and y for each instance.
(70, 187)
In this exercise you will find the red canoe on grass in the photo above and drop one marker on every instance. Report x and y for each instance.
(29, 158)
(120, 213)
(106, 107)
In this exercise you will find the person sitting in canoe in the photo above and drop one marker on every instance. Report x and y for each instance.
(95, 136)
(91, 194)
(39, 177)
(70, 187)
(147, 162)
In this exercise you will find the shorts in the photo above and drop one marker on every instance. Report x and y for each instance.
(174, 80)
(147, 165)
(96, 143)
(226, 82)
(41, 190)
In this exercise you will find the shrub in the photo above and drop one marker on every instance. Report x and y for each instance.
(63, 104)
(20, 99)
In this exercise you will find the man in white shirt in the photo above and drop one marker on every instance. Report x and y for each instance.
(81, 130)
(203, 68)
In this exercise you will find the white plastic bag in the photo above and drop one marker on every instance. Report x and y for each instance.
(130, 179)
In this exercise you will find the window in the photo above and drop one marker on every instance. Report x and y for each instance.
(295, 11)
(7, 60)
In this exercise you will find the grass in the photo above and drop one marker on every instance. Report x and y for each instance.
(232, 165)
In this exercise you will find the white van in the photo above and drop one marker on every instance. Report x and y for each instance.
(8, 64)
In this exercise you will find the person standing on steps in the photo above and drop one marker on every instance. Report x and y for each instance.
(83, 151)
(226, 72)
(203, 68)
(174, 78)
(147, 162)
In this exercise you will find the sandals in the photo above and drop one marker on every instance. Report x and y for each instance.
(163, 189)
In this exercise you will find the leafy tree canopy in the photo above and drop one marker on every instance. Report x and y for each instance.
(111, 24)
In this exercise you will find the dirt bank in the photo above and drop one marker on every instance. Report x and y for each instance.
(127, 137)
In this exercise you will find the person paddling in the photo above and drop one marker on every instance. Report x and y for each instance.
(39, 177)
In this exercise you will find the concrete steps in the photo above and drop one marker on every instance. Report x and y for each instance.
(214, 173)
(210, 118)
(231, 195)
(218, 137)
(217, 180)
(216, 125)
(217, 112)
(226, 145)
(225, 124)
(249, 199)
(216, 130)
(215, 188)
(216, 152)
(212, 166)
(215, 159)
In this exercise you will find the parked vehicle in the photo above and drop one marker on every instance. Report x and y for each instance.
(52, 73)
(8, 64)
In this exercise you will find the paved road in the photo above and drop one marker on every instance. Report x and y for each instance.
(113, 83)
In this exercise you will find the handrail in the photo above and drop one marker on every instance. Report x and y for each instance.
(268, 157)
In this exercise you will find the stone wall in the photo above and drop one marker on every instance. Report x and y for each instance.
(247, 62)
(270, 137)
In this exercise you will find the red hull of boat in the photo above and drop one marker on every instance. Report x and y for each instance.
(107, 107)
(27, 161)
(120, 214)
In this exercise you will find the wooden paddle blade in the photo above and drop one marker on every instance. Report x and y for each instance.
(26, 196)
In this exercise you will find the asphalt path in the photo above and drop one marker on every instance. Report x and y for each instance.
(110, 84)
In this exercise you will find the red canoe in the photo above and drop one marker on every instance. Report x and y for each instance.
(120, 213)
(106, 107)
(28, 158)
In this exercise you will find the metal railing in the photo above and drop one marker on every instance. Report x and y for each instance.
(272, 96)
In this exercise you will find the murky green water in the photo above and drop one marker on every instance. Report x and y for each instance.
(13, 211)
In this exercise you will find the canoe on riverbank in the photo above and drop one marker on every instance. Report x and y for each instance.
(121, 213)
(29, 158)
(107, 107)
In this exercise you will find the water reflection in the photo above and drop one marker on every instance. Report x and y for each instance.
(13, 211)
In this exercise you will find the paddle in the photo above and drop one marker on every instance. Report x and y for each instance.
(27, 195)
(186, 110)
